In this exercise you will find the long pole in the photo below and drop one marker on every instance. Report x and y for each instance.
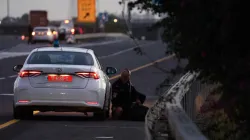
(97, 7)
(8, 8)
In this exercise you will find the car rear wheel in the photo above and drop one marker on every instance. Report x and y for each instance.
(104, 114)
(22, 113)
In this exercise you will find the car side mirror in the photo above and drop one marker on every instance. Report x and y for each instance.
(17, 68)
(111, 70)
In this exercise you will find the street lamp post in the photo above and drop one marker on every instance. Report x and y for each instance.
(8, 8)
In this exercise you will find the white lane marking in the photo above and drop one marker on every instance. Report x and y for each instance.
(103, 137)
(6, 94)
(123, 51)
(117, 53)
(107, 126)
(101, 43)
(12, 76)
(4, 55)
(100, 57)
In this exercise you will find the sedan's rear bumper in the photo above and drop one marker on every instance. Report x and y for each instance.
(63, 98)
(42, 38)
(56, 103)
(60, 108)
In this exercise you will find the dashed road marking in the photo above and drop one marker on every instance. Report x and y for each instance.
(105, 126)
(12, 76)
(7, 94)
(102, 137)
(101, 43)
(123, 51)
(4, 55)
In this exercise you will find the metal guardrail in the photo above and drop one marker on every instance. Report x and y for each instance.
(172, 116)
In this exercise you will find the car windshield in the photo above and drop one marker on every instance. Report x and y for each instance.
(59, 57)
(67, 25)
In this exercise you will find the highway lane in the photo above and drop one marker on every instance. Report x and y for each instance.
(101, 50)
(128, 59)
(7, 41)
(74, 126)
(65, 127)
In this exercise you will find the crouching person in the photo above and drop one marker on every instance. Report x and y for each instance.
(127, 102)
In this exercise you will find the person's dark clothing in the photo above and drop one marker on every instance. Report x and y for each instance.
(124, 95)
(30, 30)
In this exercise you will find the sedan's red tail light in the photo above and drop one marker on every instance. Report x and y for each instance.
(72, 31)
(93, 75)
(29, 73)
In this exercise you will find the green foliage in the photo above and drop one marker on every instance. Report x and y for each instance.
(209, 33)
(220, 127)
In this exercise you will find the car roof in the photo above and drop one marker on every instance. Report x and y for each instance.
(52, 27)
(41, 27)
(71, 49)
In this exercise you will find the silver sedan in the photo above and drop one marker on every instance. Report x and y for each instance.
(63, 79)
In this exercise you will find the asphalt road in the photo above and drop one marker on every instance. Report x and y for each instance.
(9, 41)
(74, 126)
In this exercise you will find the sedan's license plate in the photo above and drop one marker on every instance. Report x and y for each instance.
(60, 78)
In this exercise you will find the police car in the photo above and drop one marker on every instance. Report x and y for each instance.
(63, 79)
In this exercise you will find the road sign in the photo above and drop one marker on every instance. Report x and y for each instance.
(86, 11)
(100, 16)
(106, 16)
(103, 17)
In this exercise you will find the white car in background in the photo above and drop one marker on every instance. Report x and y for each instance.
(66, 29)
(44, 34)
(62, 79)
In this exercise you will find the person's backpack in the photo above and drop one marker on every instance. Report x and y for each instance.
(138, 112)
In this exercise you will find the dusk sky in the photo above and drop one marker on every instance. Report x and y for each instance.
(57, 9)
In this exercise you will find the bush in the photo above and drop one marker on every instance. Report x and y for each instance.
(209, 34)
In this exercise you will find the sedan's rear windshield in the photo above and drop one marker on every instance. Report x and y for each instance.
(61, 57)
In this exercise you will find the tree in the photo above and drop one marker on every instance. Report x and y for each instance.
(25, 18)
(209, 34)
